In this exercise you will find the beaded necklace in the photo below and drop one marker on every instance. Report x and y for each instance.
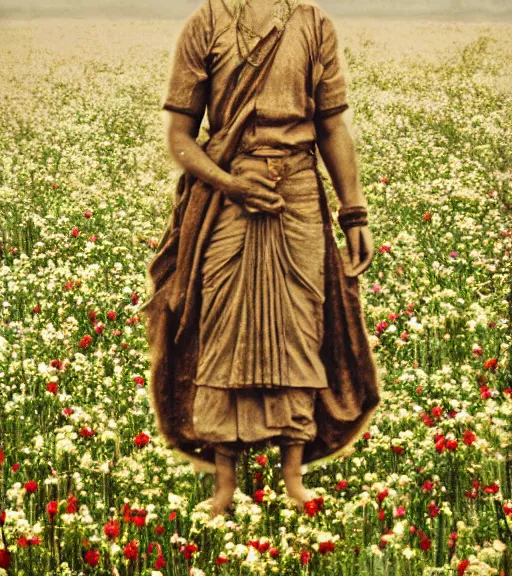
(280, 13)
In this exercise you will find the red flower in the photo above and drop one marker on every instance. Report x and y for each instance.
(341, 485)
(258, 496)
(397, 449)
(30, 486)
(305, 557)
(75, 232)
(382, 495)
(92, 557)
(452, 445)
(160, 562)
(142, 440)
(68, 411)
(138, 516)
(159, 529)
(427, 486)
(139, 380)
(425, 543)
(381, 326)
(452, 539)
(261, 460)
(36, 309)
(469, 437)
(492, 488)
(461, 568)
(440, 446)
(427, 217)
(491, 364)
(112, 529)
(188, 550)
(87, 214)
(5, 558)
(131, 550)
(87, 432)
(52, 508)
(221, 560)
(485, 392)
(135, 299)
(111, 315)
(85, 341)
(2, 517)
(22, 542)
(399, 512)
(52, 387)
(437, 411)
(433, 510)
(384, 180)
(311, 507)
(71, 507)
(325, 547)
(99, 328)
(172, 516)
(274, 552)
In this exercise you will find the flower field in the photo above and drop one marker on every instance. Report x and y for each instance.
(86, 187)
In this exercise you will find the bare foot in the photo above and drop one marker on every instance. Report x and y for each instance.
(222, 500)
(299, 494)
(225, 483)
(291, 459)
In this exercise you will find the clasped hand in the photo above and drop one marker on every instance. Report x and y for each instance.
(255, 193)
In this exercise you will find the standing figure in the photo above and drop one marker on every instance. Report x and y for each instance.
(254, 322)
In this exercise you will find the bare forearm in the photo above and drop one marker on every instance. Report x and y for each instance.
(187, 152)
(337, 148)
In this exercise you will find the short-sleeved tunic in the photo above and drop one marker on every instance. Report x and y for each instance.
(307, 76)
(261, 321)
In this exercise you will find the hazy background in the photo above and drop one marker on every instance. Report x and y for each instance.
(444, 9)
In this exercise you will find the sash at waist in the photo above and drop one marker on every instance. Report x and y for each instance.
(276, 163)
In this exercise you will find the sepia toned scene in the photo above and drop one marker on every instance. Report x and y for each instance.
(88, 485)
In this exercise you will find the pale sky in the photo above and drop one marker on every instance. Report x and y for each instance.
(465, 9)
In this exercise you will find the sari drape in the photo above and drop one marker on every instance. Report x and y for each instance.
(345, 408)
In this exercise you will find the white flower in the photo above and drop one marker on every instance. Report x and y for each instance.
(408, 553)
(499, 546)
(253, 555)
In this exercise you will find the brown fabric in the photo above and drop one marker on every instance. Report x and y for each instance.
(253, 415)
(345, 408)
(207, 56)
(261, 321)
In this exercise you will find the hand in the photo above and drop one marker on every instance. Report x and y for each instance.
(255, 193)
(360, 249)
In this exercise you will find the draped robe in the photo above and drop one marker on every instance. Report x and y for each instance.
(344, 409)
